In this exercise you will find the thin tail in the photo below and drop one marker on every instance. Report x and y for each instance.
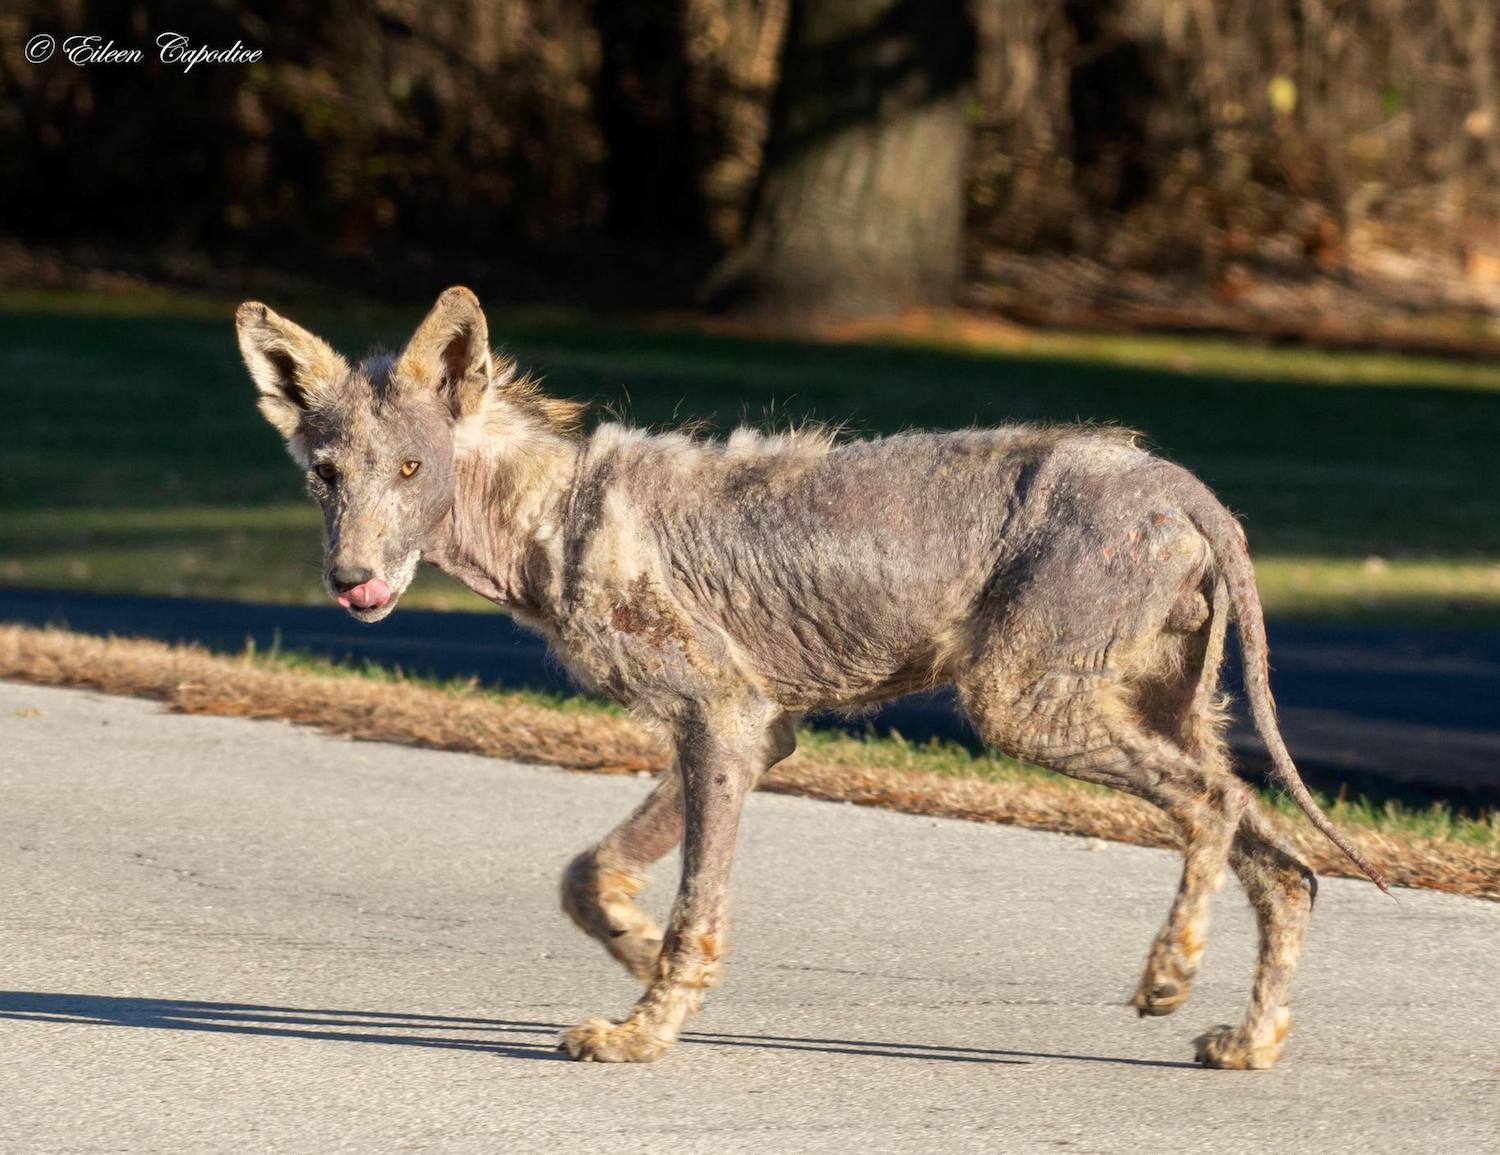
(1235, 571)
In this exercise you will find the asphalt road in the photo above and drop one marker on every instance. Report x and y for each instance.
(1413, 714)
(222, 935)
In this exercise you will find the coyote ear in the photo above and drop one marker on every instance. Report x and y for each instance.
(287, 363)
(451, 351)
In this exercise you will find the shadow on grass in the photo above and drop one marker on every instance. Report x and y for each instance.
(517, 1039)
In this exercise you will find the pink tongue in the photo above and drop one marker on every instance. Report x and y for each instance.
(366, 596)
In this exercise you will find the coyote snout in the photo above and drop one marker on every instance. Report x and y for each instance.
(357, 589)
(1075, 589)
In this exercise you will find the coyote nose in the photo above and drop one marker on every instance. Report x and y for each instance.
(346, 577)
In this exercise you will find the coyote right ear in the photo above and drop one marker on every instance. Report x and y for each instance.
(286, 362)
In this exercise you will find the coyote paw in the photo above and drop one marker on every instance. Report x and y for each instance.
(1168, 978)
(600, 901)
(1159, 996)
(1231, 1049)
(600, 1041)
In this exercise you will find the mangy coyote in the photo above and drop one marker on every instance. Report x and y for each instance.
(1073, 587)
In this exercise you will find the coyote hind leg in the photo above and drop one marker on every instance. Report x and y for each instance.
(1181, 706)
(1207, 826)
(1082, 723)
(599, 886)
(1281, 888)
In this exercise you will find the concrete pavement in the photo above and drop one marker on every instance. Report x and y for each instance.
(219, 935)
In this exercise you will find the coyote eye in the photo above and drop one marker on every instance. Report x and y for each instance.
(326, 471)
(410, 467)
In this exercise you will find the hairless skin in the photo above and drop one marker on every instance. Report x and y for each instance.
(1073, 587)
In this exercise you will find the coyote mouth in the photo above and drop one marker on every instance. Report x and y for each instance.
(370, 595)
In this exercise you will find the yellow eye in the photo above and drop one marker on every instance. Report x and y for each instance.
(326, 471)
(410, 467)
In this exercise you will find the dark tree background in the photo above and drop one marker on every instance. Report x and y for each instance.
(1044, 157)
(861, 201)
(646, 117)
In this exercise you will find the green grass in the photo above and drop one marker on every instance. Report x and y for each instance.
(836, 747)
(132, 458)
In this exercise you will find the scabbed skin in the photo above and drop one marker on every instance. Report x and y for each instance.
(1074, 588)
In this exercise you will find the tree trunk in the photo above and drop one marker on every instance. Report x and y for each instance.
(651, 163)
(860, 209)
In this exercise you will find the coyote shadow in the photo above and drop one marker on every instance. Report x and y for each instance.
(509, 1038)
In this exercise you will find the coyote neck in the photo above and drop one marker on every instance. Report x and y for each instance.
(501, 538)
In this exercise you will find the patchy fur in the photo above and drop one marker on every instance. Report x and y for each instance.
(1073, 587)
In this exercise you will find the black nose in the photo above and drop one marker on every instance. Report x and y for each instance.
(346, 577)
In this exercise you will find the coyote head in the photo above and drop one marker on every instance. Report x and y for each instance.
(377, 439)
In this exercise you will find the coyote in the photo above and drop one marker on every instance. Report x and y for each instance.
(1073, 587)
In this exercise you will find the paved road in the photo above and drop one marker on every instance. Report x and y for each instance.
(1410, 713)
(222, 935)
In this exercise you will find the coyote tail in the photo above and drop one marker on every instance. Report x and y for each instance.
(1232, 559)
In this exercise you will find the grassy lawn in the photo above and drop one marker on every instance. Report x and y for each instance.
(132, 457)
(820, 747)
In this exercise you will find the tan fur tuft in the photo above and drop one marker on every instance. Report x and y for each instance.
(558, 415)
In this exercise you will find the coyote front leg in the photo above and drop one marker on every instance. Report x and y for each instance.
(719, 755)
(600, 885)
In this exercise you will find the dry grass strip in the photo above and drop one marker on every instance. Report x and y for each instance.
(193, 681)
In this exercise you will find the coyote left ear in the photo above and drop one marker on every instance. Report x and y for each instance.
(451, 349)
